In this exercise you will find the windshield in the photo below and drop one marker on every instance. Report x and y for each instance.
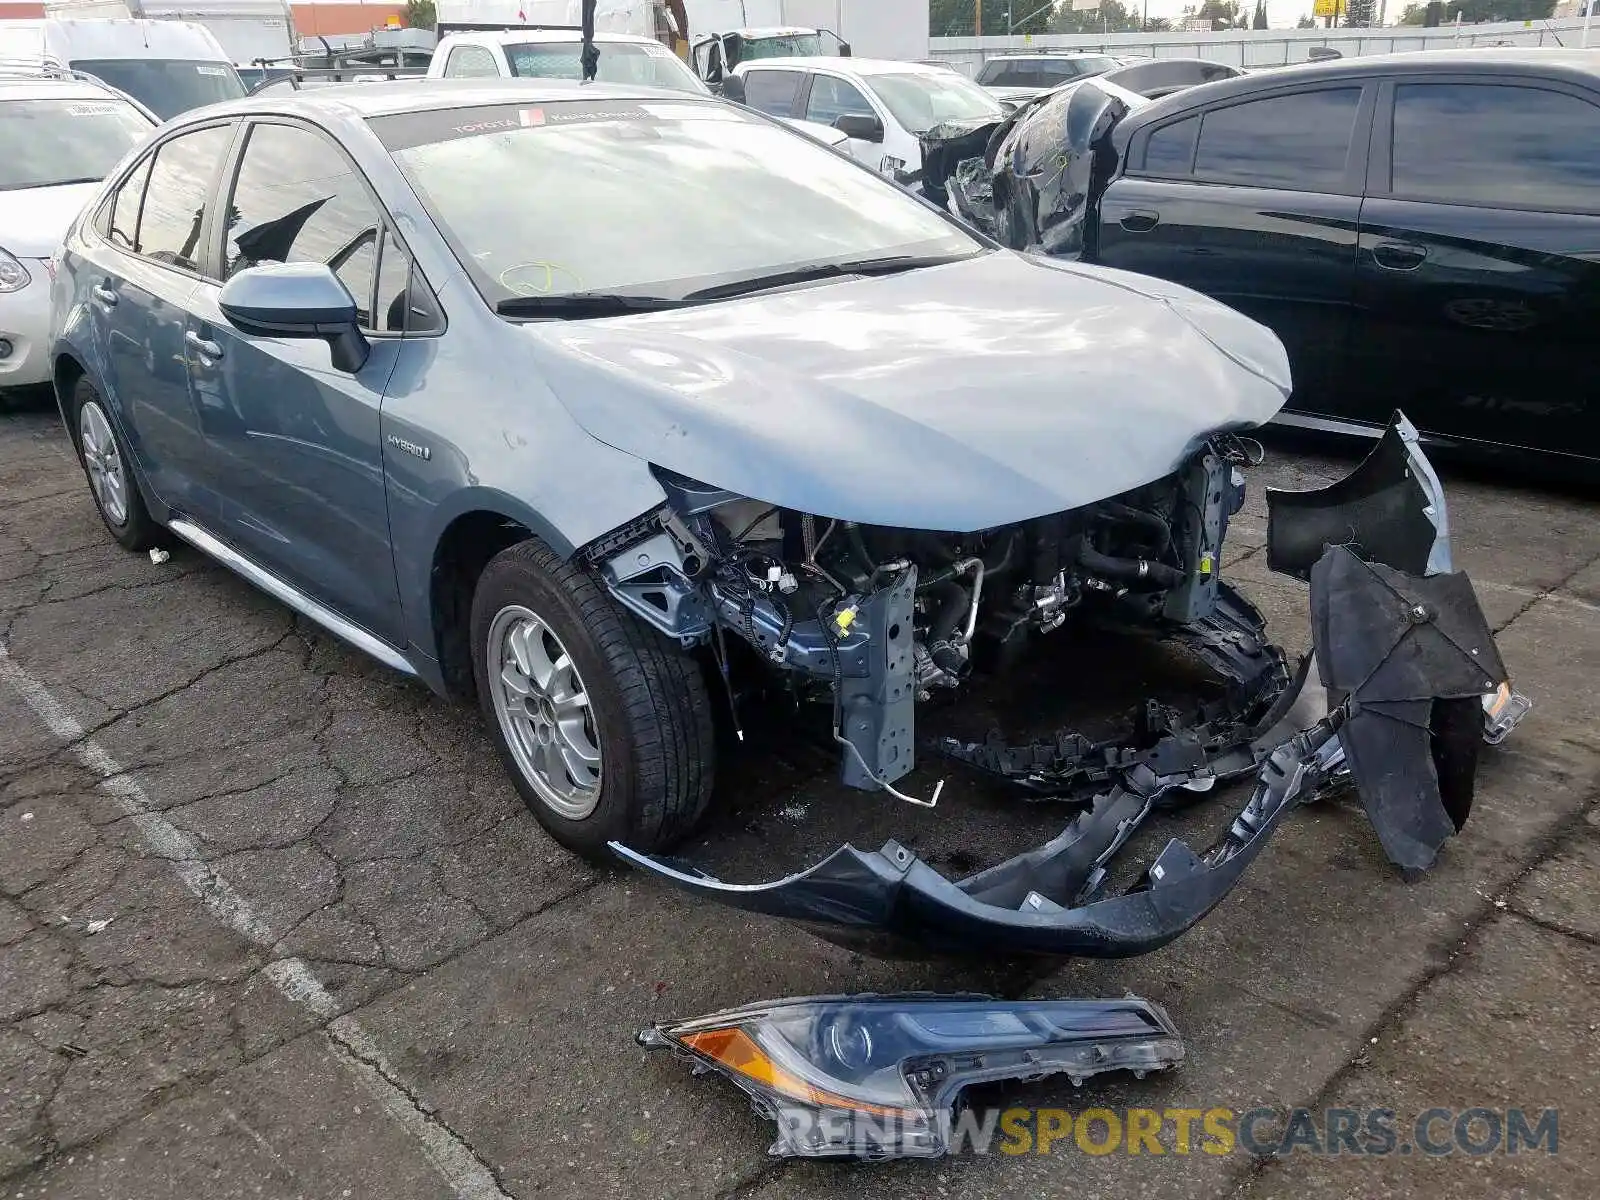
(167, 86)
(620, 62)
(48, 142)
(920, 100)
(645, 198)
(792, 45)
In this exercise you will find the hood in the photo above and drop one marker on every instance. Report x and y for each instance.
(957, 398)
(33, 221)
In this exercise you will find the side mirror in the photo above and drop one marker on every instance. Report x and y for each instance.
(854, 125)
(733, 89)
(297, 300)
(844, 49)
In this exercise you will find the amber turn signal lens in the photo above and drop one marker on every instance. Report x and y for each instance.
(737, 1051)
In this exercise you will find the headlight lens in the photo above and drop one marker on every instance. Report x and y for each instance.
(13, 275)
(878, 1076)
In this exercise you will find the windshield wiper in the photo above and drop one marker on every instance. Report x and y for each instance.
(891, 264)
(582, 304)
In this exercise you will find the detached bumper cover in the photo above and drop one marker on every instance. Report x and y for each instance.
(1410, 685)
(890, 902)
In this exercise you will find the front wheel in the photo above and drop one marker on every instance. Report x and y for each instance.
(604, 726)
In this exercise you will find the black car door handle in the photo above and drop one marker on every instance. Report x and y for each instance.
(202, 346)
(1140, 221)
(104, 294)
(1399, 256)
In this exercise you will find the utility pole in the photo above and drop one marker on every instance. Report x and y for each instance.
(979, 30)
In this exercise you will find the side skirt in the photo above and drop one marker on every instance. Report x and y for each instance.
(207, 543)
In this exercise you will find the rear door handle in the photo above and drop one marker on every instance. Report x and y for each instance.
(1399, 256)
(1140, 221)
(104, 294)
(202, 346)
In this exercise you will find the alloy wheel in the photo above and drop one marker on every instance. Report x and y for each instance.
(544, 712)
(107, 475)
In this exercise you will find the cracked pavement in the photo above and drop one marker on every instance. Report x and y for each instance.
(273, 923)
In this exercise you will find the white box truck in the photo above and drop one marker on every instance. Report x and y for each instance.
(247, 30)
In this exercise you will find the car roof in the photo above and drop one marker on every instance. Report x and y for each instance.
(394, 97)
(1050, 54)
(512, 36)
(1580, 65)
(766, 31)
(110, 38)
(847, 66)
(27, 87)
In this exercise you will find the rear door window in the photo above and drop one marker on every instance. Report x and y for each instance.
(1517, 147)
(1299, 141)
(773, 92)
(166, 222)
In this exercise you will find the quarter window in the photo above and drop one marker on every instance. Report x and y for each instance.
(471, 62)
(164, 222)
(1299, 141)
(122, 227)
(1170, 149)
(772, 92)
(1496, 144)
(297, 199)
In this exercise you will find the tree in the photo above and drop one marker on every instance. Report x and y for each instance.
(958, 18)
(1306, 22)
(420, 14)
(1158, 25)
(1223, 14)
(1260, 21)
(1111, 17)
(1473, 11)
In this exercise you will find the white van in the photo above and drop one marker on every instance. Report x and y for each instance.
(168, 66)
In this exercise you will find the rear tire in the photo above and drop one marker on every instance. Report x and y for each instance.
(109, 469)
(603, 725)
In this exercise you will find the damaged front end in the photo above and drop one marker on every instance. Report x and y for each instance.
(874, 1077)
(1403, 685)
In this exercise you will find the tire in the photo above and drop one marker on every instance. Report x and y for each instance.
(647, 712)
(108, 467)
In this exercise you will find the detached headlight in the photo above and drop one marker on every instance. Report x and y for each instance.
(13, 275)
(879, 1076)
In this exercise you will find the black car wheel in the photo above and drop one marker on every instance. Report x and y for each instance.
(604, 726)
(106, 463)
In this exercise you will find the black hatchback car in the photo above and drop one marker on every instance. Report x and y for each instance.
(1421, 230)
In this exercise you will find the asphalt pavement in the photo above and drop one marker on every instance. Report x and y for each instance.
(273, 923)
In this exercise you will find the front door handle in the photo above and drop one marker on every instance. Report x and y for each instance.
(204, 347)
(1140, 221)
(1399, 256)
(104, 294)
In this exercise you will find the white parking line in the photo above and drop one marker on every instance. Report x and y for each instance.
(466, 1176)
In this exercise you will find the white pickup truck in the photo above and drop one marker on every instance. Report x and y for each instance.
(545, 53)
